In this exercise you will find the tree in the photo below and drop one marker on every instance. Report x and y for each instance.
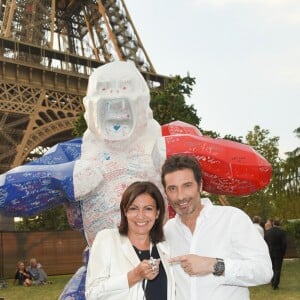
(52, 219)
(261, 203)
(80, 126)
(233, 138)
(168, 104)
(267, 146)
(290, 180)
(292, 164)
(281, 197)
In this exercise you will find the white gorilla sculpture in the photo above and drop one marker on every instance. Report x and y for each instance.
(120, 146)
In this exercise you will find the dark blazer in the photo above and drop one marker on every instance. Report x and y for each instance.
(276, 240)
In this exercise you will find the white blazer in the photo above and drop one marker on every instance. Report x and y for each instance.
(112, 257)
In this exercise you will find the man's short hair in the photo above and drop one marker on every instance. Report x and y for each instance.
(180, 162)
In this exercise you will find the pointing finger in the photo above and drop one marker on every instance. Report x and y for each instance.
(177, 259)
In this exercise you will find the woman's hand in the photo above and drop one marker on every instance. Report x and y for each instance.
(146, 269)
(150, 268)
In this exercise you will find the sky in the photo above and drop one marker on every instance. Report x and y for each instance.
(244, 55)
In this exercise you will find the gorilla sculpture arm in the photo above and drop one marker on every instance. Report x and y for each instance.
(41, 184)
(229, 168)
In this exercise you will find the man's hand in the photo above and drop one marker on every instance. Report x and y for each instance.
(194, 264)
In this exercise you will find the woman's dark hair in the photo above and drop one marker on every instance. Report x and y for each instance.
(180, 162)
(134, 190)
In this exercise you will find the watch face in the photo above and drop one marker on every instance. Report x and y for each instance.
(219, 267)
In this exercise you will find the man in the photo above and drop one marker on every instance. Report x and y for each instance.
(276, 240)
(37, 273)
(257, 225)
(216, 252)
(268, 225)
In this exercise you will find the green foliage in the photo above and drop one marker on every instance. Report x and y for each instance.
(80, 126)
(292, 227)
(282, 196)
(260, 203)
(286, 187)
(291, 168)
(210, 133)
(40, 292)
(168, 104)
(267, 146)
(233, 138)
(52, 219)
(289, 288)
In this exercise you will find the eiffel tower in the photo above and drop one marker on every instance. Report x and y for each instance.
(48, 49)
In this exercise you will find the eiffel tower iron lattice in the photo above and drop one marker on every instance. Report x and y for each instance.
(48, 49)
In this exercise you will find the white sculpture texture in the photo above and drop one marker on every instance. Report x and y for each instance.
(120, 146)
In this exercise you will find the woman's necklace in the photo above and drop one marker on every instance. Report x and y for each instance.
(140, 252)
(152, 262)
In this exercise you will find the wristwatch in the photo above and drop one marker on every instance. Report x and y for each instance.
(219, 267)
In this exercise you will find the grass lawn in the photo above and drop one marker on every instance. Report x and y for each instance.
(41, 292)
(289, 288)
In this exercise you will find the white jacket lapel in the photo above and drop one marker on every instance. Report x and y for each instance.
(128, 250)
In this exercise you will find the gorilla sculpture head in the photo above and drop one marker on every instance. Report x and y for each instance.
(117, 102)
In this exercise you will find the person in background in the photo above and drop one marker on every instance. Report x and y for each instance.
(268, 225)
(22, 276)
(37, 273)
(257, 224)
(216, 252)
(276, 240)
(131, 262)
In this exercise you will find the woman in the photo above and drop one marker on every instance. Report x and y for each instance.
(22, 276)
(131, 262)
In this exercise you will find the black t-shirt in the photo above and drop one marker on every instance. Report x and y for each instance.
(155, 289)
(20, 277)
